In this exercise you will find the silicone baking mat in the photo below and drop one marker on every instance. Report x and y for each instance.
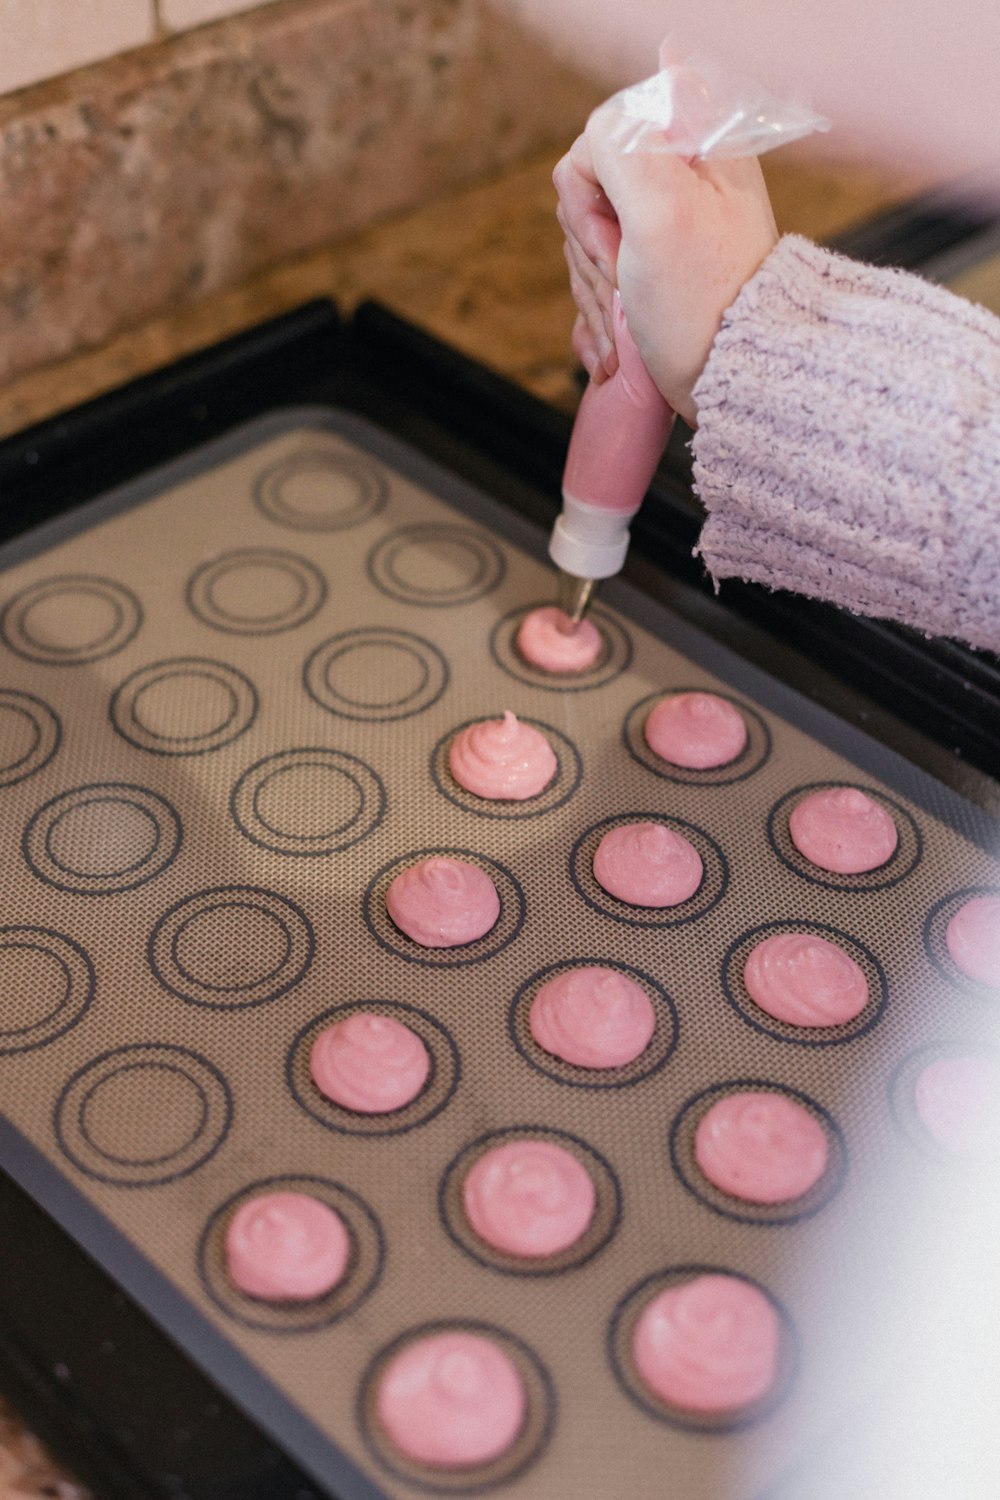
(225, 697)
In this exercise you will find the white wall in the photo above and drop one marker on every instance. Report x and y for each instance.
(40, 39)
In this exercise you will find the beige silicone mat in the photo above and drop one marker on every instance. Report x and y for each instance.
(223, 701)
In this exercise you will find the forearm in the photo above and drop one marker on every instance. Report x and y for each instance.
(849, 443)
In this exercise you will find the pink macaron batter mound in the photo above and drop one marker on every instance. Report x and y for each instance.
(529, 1198)
(286, 1247)
(451, 1400)
(805, 980)
(592, 1016)
(973, 939)
(647, 864)
(502, 759)
(697, 731)
(548, 640)
(843, 830)
(709, 1345)
(956, 1101)
(443, 902)
(761, 1146)
(369, 1063)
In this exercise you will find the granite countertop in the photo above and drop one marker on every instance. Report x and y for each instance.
(481, 269)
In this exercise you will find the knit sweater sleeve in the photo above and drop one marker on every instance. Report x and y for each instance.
(848, 444)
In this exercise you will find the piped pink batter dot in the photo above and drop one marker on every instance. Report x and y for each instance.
(956, 1099)
(843, 830)
(647, 864)
(442, 902)
(761, 1146)
(502, 759)
(973, 939)
(548, 640)
(805, 980)
(709, 1345)
(451, 1400)
(369, 1063)
(593, 1017)
(529, 1198)
(696, 730)
(286, 1247)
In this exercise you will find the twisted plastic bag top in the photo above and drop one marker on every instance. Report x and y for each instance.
(697, 108)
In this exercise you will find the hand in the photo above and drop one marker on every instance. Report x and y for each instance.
(678, 239)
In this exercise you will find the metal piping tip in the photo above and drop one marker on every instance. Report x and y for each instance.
(575, 595)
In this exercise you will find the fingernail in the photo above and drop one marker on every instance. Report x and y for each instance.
(605, 348)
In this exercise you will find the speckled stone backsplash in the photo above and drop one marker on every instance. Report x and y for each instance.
(139, 185)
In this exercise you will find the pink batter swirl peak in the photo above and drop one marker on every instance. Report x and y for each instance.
(286, 1247)
(843, 830)
(698, 731)
(761, 1146)
(593, 1017)
(709, 1345)
(451, 1400)
(443, 902)
(547, 640)
(973, 939)
(502, 759)
(956, 1099)
(805, 980)
(647, 864)
(529, 1198)
(370, 1063)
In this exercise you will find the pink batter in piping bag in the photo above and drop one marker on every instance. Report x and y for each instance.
(691, 108)
(618, 440)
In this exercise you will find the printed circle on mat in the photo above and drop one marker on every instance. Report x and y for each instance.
(599, 1231)
(568, 774)
(256, 591)
(321, 491)
(438, 1088)
(188, 705)
(714, 882)
(526, 1446)
(746, 1210)
(504, 930)
(46, 984)
(735, 990)
(614, 659)
(376, 675)
(902, 862)
(71, 619)
(936, 926)
(309, 801)
(657, 1052)
(944, 1097)
(30, 734)
(750, 759)
(436, 564)
(231, 947)
(143, 1114)
(364, 1265)
(103, 838)
(624, 1324)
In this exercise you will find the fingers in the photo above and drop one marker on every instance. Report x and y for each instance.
(585, 210)
(592, 294)
(586, 351)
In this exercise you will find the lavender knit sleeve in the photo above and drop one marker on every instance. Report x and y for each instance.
(848, 444)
